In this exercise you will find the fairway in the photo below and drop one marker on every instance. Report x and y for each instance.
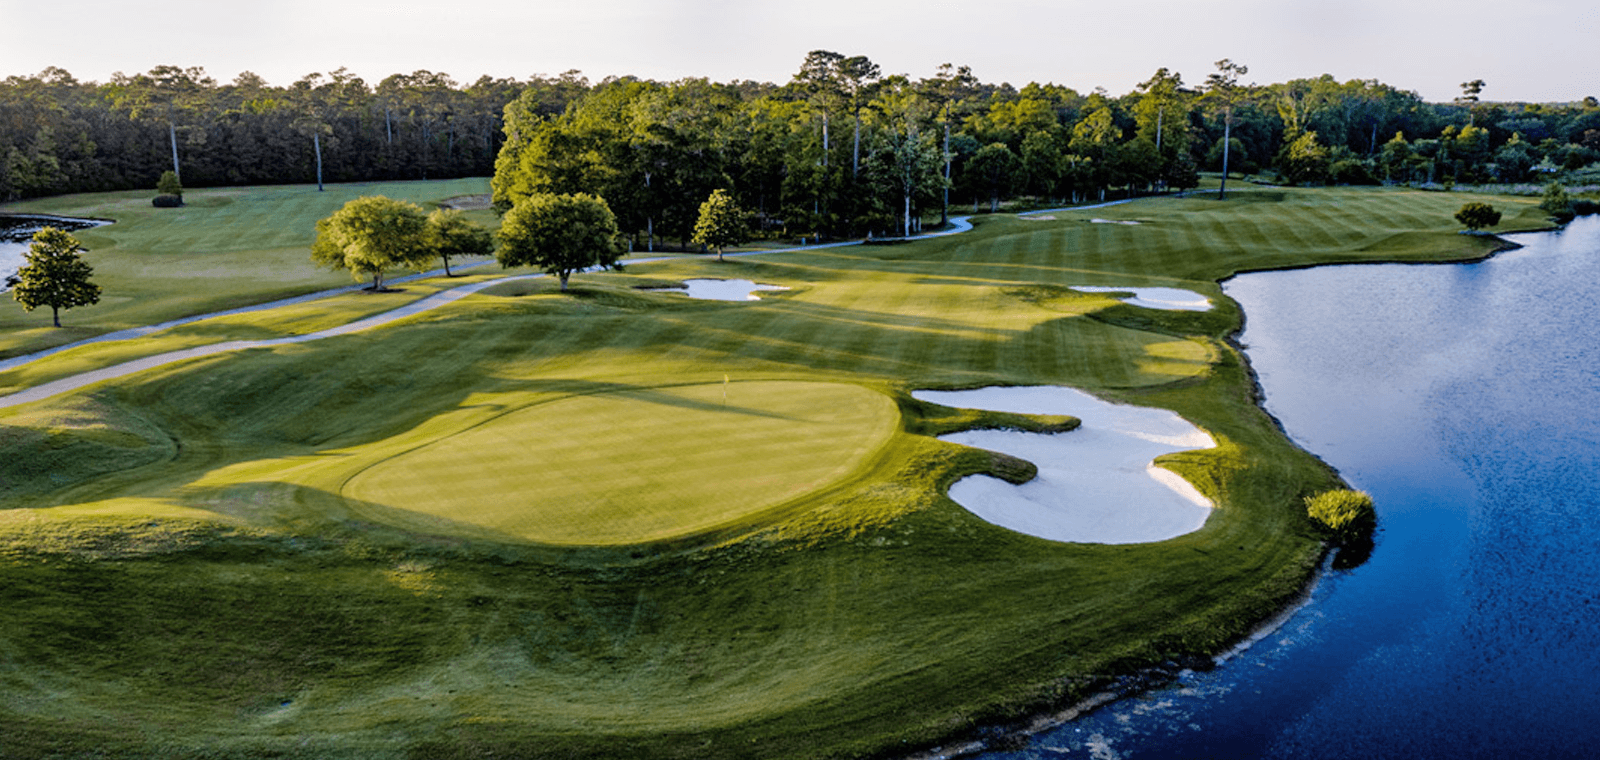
(527, 524)
(638, 464)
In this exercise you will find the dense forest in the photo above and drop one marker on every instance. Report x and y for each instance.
(840, 148)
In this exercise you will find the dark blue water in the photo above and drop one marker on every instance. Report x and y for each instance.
(1466, 400)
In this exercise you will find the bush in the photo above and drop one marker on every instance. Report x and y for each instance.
(1351, 172)
(168, 184)
(1345, 516)
(1556, 202)
(1585, 207)
(167, 201)
(1477, 215)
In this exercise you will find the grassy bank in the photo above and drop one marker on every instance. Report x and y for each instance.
(278, 553)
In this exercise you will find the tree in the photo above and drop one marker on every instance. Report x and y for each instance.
(949, 90)
(560, 234)
(721, 222)
(1556, 202)
(370, 234)
(1224, 92)
(855, 75)
(1476, 216)
(169, 184)
(997, 170)
(1304, 160)
(54, 275)
(171, 191)
(450, 233)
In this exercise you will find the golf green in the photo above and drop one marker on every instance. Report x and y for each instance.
(638, 464)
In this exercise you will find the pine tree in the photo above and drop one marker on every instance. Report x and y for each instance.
(54, 275)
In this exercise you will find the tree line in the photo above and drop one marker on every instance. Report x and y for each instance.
(840, 149)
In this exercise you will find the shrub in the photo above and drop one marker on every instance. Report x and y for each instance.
(1477, 215)
(1585, 207)
(168, 184)
(167, 201)
(1351, 172)
(1345, 516)
(1557, 203)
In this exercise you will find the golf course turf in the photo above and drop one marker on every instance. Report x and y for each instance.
(375, 545)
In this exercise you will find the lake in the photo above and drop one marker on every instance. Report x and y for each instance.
(16, 232)
(1466, 400)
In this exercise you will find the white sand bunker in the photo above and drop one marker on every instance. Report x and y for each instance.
(1037, 218)
(720, 290)
(1171, 299)
(1114, 221)
(1096, 484)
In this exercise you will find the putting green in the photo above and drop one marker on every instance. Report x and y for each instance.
(638, 464)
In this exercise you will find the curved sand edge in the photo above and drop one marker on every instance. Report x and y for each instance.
(1097, 484)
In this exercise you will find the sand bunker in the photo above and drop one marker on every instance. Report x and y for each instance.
(1113, 221)
(720, 290)
(1037, 218)
(1096, 484)
(1171, 299)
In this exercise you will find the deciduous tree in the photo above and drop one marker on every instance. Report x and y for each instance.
(371, 234)
(721, 223)
(450, 233)
(560, 234)
(54, 275)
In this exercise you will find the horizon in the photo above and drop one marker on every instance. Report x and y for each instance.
(1078, 45)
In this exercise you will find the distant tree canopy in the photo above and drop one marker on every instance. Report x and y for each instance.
(840, 149)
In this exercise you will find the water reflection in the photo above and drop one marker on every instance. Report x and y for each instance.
(1466, 399)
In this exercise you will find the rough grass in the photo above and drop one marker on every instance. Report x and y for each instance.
(220, 591)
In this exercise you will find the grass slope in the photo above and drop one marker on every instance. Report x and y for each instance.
(188, 569)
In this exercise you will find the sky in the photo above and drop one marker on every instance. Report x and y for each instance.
(1529, 50)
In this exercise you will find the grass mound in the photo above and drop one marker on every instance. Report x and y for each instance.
(638, 464)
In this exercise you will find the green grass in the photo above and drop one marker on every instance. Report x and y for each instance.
(623, 464)
(228, 247)
(283, 553)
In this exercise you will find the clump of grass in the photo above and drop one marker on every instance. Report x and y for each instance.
(1346, 516)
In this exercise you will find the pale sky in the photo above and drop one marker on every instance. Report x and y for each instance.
(1530, 50)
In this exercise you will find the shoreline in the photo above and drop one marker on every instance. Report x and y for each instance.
(1000, 736)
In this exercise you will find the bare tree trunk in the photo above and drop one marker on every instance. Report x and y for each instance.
(564, 276)
(1227, 135)
(855, 154)
(172, 133)
(944, 211)
(55, 314)
(316, 142)
(908, 215)
(824, 138)
(388, 125)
